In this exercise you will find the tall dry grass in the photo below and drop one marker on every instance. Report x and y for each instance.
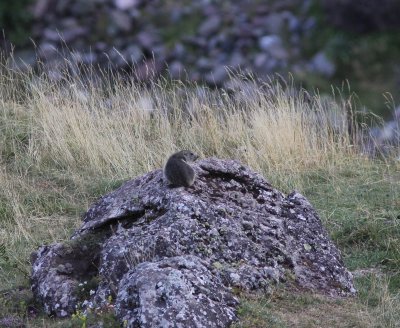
(121, 129)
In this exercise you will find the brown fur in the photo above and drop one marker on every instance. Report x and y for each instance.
(177, 171)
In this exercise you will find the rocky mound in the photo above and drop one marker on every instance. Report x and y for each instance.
(172, 255)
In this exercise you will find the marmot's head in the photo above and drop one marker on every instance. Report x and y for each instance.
(186, 155)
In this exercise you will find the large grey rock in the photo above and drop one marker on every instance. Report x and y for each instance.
(231, 226)
(175, 292)
(56, 274)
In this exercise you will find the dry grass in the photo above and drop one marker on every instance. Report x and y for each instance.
(84, 128)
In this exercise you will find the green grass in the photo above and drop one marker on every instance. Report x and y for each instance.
(359, 204)
(361, 211)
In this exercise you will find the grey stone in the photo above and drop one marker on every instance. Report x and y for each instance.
(126, 4)
(275, 22)
(265, 63)
(89, 58)
(148, 69)
(134, 53)
(47, 50)
(101, 46)
(51, 34)
(117, 58)
(176, 292)
(272, 44)
(322, 65)
(176, 70)
(236, 60)
(122, 20)
(146, 39)
(56, 286)
(210, 25)
(217, 76)
(204, 64)
(146, 240)
(294, 24)
(71, 33)
(40, 8)
(179, 51)
(260, 60)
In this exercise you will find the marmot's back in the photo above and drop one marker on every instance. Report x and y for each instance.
(177, 170)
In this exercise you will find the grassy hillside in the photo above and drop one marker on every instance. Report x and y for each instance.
(63, 144)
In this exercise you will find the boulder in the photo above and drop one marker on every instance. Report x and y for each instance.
(176, 292)
(169, 254)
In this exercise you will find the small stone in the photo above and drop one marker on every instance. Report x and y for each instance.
(126, 4)
(322, 65)
(40, 8)
(134, 53)
(210, 25)
(179, 50)
(247, 225)
(218, 76)
(146, 39)
(275, 22)
(236, 60)
(235, 278)
(260, 60)
(122, 20)
(51, 34)
(204, 64)
(176, 70)
(272, 44)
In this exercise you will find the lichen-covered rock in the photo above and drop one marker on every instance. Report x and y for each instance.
(249, 234)
(59, 269)
(175, 292)
(55, 285)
